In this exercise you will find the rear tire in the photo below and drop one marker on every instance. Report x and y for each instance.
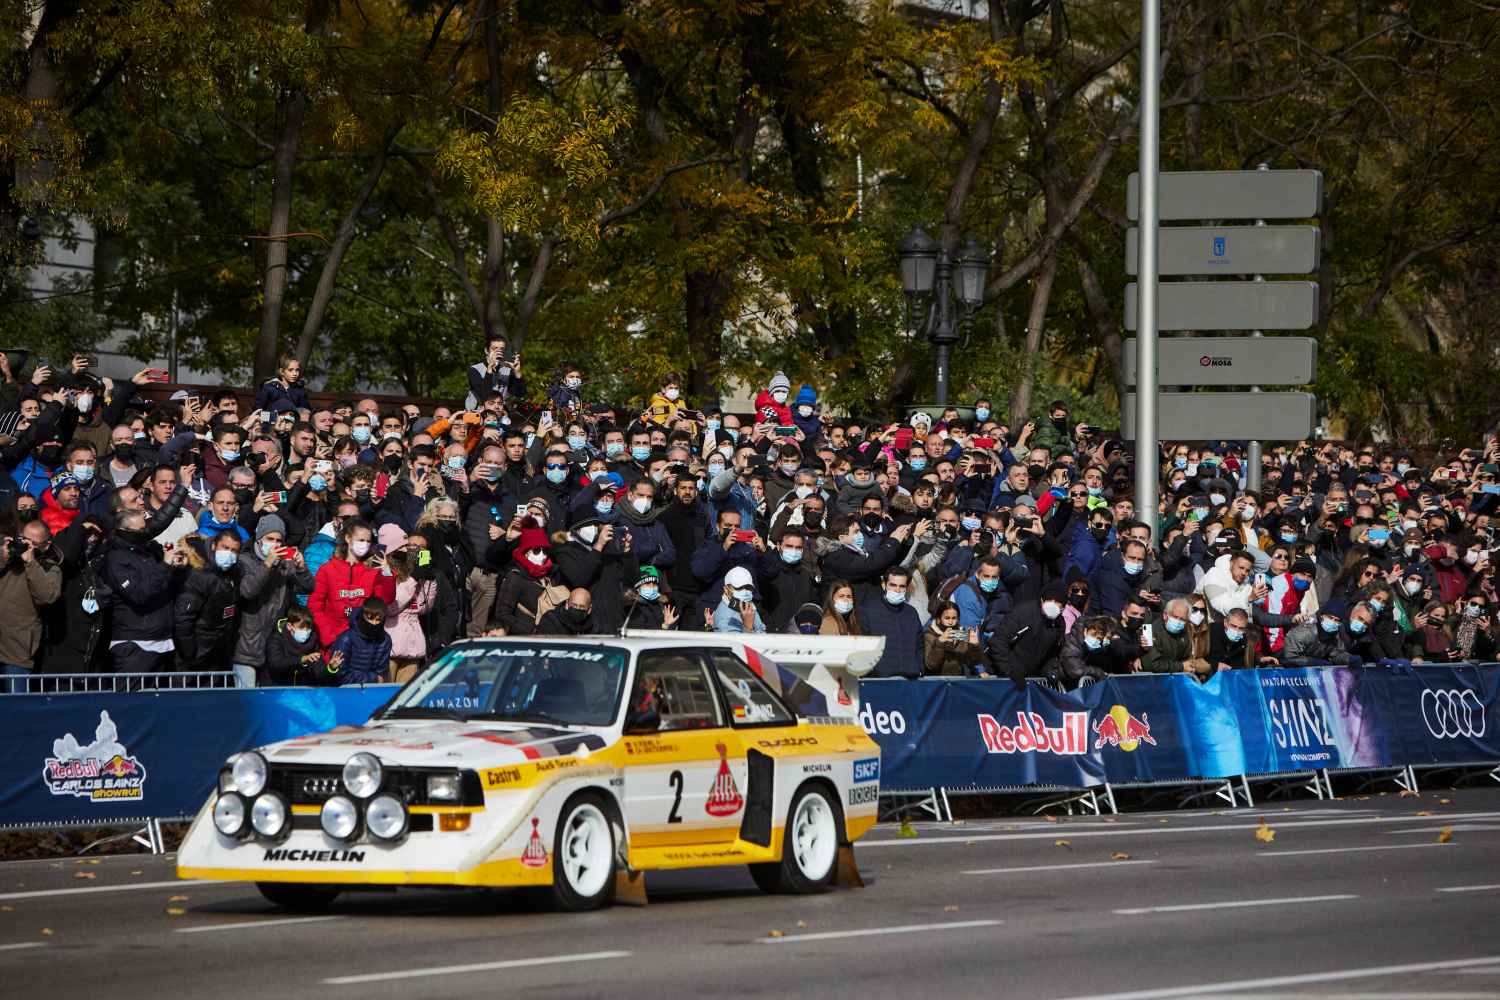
(298, 898)
(809, 846)
(583, 855)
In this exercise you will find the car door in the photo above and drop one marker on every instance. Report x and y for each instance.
(684, 782)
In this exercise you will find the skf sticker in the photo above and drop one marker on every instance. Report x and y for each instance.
(535, 855)
(867, 770)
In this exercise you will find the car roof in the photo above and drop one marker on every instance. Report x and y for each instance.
(631, 643)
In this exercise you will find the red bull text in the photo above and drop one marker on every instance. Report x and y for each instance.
(1031, 734)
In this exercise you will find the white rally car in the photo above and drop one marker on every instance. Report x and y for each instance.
(574, 764)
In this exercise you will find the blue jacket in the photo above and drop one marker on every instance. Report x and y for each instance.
(977, 609)
(1084, 551)
(209, 528)
(902, 627)
(1109, 586)
(365, 662)
(32, 476)
(711, 563)
(318, 552)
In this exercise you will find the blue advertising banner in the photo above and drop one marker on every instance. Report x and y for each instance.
(109, 757)
(1145, 728)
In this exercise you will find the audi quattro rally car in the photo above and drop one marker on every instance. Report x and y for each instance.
(560, 763)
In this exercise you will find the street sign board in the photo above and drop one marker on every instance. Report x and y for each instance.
(1230, 360)
(1210, 416)
(1231, 194)
(1230, 305)
(1230, 250)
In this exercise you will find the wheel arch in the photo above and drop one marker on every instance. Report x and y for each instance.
(827, 784)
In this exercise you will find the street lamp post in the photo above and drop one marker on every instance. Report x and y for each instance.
(927, 270)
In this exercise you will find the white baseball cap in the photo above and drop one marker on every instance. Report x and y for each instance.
(739, 577)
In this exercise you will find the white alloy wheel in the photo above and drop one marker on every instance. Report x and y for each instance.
(585, 850)
(814, 837)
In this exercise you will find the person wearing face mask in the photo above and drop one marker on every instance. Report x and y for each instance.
(1089, 537)
(649, 605)
(270, 577)
(573, 617)
(950, 651)
(293, 655)
(566, 394)
(599, 557)
(783, 478)
(1290, 600)
(887, 612)
(1031, 639)
(1171, 649)
(1055, 434)
(362, 652)
(205, 614)
(31, 578)
(1096, 647)
(851, 559)
(1235, 643)
(529, 589)
(341, 585)
(1432, 639)
(139, 577)
(1122, 573)
(450, 563)
(789, 578)
(859, 486)
(805, 415)
(222, 456)
(1410, 596)
(1474, 638)
(771, 402)
(638, 513)
(1318, 642)
(737, 610)
(499, 373)
(666, 404)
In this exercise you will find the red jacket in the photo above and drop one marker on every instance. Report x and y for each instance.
(55, 517)
(768, 411)
(341, 586)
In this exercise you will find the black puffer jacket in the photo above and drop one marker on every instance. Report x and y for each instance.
(1027, 645)
(205, 617)
(142, 587)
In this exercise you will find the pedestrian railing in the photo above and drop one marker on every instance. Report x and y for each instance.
(90, 683)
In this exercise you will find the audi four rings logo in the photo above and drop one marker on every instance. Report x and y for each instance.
(1453, 713)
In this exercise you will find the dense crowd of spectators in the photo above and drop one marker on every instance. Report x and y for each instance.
(350, 543)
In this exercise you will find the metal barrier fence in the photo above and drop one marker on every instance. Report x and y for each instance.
(115, 683)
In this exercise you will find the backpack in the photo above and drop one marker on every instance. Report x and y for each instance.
(552, 596)
(945, 592)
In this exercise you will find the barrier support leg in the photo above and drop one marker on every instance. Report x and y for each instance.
(1407, 779)
(1109, 798)
(947, 814)
(1245, 789)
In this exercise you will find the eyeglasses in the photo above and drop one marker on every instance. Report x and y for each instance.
(1078, 593)
(554, 465)
(1477, 604)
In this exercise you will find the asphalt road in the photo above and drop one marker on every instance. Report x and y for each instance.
(1352, 898)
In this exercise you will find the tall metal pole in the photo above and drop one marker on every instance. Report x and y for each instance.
(1147, 449)
(1253, 457)
(944, 331)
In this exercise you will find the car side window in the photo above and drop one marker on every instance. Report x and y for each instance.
(750, 701)
(679, 683)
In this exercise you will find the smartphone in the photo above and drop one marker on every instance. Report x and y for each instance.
(785, 430)
(522, 510)
(982, 442)
(903, 438)
(91, 360)
(743, 535)
(1147, 635)
(157, 375)
(279, 496)
(287, 552)
(1260, 579)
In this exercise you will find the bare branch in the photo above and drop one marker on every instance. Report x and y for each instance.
(625, 211)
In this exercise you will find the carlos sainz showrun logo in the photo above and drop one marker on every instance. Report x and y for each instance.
(102, 771)
(1031, 734)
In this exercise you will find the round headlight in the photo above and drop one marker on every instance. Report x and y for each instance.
(248, 770)
(268, 815)
(362, 774)
(339, 818)
(385, 817)
(229, 814)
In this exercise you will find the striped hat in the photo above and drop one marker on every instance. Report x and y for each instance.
(780, 381)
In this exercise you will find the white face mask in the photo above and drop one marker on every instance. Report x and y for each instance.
(1196, 617)
(1051, 609)
(779, 395)
(589, 534)
(641, 504)
(1247, 514)
(1471, 557)
(672, 394)
(536, 557)
(85, 402)
(360, 548)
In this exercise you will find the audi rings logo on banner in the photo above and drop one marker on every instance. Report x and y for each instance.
(1453, 713)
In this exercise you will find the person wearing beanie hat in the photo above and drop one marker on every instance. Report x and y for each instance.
(1291, 599)
(1028, 642)
(805, 415)
(271, 576)
(528, 590)
(648, 606)
(770, 403)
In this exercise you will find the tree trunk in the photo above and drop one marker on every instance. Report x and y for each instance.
(1041, 295)
(294, 108)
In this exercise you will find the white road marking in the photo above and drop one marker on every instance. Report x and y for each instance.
(281, 921)
(174, 884)
(877, 931)
(1271, 982)
(1235, 904)
(23, 945)
(1455, 828)
(1055, 868)
(1074, 832)
(450, 970)
(1425, 995)
(1346, 850)
(1470, 888)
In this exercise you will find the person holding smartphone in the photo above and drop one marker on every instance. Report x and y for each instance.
(499, 372)
(737, 610)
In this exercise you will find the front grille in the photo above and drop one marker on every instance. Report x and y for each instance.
(313, 784)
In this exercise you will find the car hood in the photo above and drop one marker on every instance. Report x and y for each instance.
(436, 743)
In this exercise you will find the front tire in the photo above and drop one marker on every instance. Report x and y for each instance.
(809, 846)
(298, 898)
(583, 855)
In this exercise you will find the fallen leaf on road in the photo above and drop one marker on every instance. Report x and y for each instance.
(802, 923)
(1110, 819)
(1286, 809)
(177, 899)
(85, 874)
(1119, 856)
(1264, 833)
(1063, 843)
(1050, 819)
(775, 934)
(1445, 802)
(93, 861)
(46, 932)
(1445, 835)
(1407, 793)
(906, 829)
(1161, 821)
(1424, 812)
(950, 909)
(7, 909)
(175, 911)
(137, 872)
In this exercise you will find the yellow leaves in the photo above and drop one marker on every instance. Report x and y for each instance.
(1119, 856)
(1407, 793)
(85, 875)
(1424, 812)
(1445, 835)
(1263, 833)
(906, 829)
(46, 932)
(349, 133)
(775, 934)
(950, 909)
(175, 911)
(1063, 843)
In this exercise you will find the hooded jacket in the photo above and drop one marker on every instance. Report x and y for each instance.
(810, 426)
(265, 593)
(205, 615)
(367, 660)
(341, 586)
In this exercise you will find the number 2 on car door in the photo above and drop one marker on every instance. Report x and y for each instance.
(676, 781)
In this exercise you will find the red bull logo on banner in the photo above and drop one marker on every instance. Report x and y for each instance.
(102, 771)
(1121, 729)
(1031, 734)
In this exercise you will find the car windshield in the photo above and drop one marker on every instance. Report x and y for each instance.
(563, 685)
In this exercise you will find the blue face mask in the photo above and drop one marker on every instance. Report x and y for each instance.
(858, 541)
(918, 464)
(1377, 606)
(791, 556)
(1289, 537)
(649, 593)
(1180, 462)
(712, 425)
(577, 442)
(895, 600)
(1176, 625)
(989, 586)
(1329, 625)
(604, 506)
(456, 462)
(715, 469)
(556, 476)
(84, 474)
(1095, 491)
(317, 483)
(1234, 634)
(613, 448)
(1134, 568)
(970, 523)
(1094, 643)
(360, 434)
(90, 606)
(224, 559)
(1356, 626)
(1301, 584)
(640, 452)
(981, 413)
(301, 635)
(229, 456)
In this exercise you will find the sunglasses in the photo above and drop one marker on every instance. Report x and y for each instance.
(552, 465)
